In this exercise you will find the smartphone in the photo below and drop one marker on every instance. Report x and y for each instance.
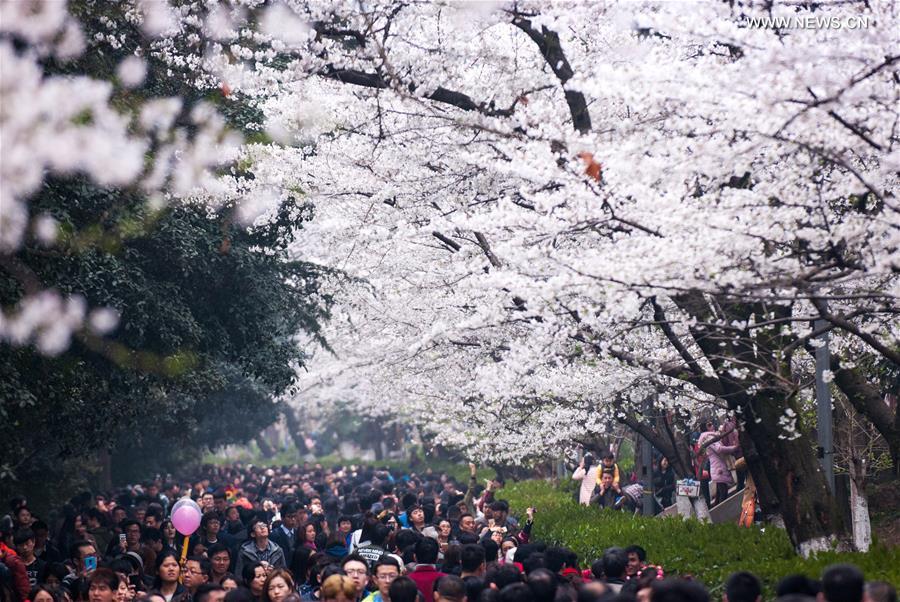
(134, 580)
(122, 539)
(90, 563)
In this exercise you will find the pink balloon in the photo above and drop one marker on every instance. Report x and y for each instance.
(186, 519)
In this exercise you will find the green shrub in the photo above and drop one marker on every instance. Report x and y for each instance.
(708, 552)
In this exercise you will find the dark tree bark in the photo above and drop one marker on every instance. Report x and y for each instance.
(867, 400)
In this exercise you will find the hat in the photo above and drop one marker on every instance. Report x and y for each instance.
(136, 558)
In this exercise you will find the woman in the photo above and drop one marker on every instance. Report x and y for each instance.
(310, 532)
(278, 586)
(443, 534)
(254, 575)
(338, 588)
(719, 454)
(168, 572)
(229, 582)
(169, 534)
(664, 483)
(42, 593)
(587, 474)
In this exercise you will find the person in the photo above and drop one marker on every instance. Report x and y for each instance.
(386, 570)
(15, 568)
(356, 567)
(43, 593)
(24, 543)
(586, 473)
(309, 533)
(472, 561)
(615, 565)
(742, 587)
(451, 588)
(678, 590)
(417, 522)
(719, 456)
(211, 530)
(880, 591)
(219, 560)
(260, 549)
(196, 573)
(404, 589)
(608, 466)
(842, 583)
(425, 573)
(102, 586)
(210, 592)
(664, 483)
(229, 582)
(285, 535)
(374, 550)
(637, 559)
(277, 586)
(254, 576)
(169, 534)
(338, 588)
(168, 572)
(606, 496)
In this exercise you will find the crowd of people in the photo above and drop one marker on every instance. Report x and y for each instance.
(307, 533)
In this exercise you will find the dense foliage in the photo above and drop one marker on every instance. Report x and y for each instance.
(709, 552)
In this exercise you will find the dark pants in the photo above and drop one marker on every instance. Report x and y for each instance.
(721, 493)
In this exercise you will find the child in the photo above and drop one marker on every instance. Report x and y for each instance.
(608, 466)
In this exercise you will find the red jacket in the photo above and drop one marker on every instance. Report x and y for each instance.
(17, 568)
(425, 575)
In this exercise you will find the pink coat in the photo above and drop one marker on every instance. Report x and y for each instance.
(718, 467)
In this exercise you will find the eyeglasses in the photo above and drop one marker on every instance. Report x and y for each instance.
(356, 571)
(388, 577)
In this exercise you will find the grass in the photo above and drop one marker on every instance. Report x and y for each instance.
(705, 551)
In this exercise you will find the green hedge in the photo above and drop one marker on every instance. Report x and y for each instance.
(707, 552)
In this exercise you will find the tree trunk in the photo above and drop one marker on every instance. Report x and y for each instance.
(264, 446)
(859, 505)
(295, 431)
(802, 498)
(867, 400)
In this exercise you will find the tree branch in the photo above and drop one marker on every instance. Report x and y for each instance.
(845, 324)
(548, 43)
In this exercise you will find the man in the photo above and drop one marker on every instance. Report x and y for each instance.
(386, 571)
(615, 564)
(154, 517)
(260, 549)
(103, 586)
(742, 587)
(425, 573)
(24, 543)
(43, 548)
(132, 530)
(196, 573)
(451, 588)
(285, 535)
(211, 531)
(220, 561)
(637, 559)
(210, 592)
(467, 524)
(842, 583)
(220, 503)
(357, 569)
(97, 529)
(82, 558)
(607, 496)
(207, 502)
(375, 550)
(472, 560)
